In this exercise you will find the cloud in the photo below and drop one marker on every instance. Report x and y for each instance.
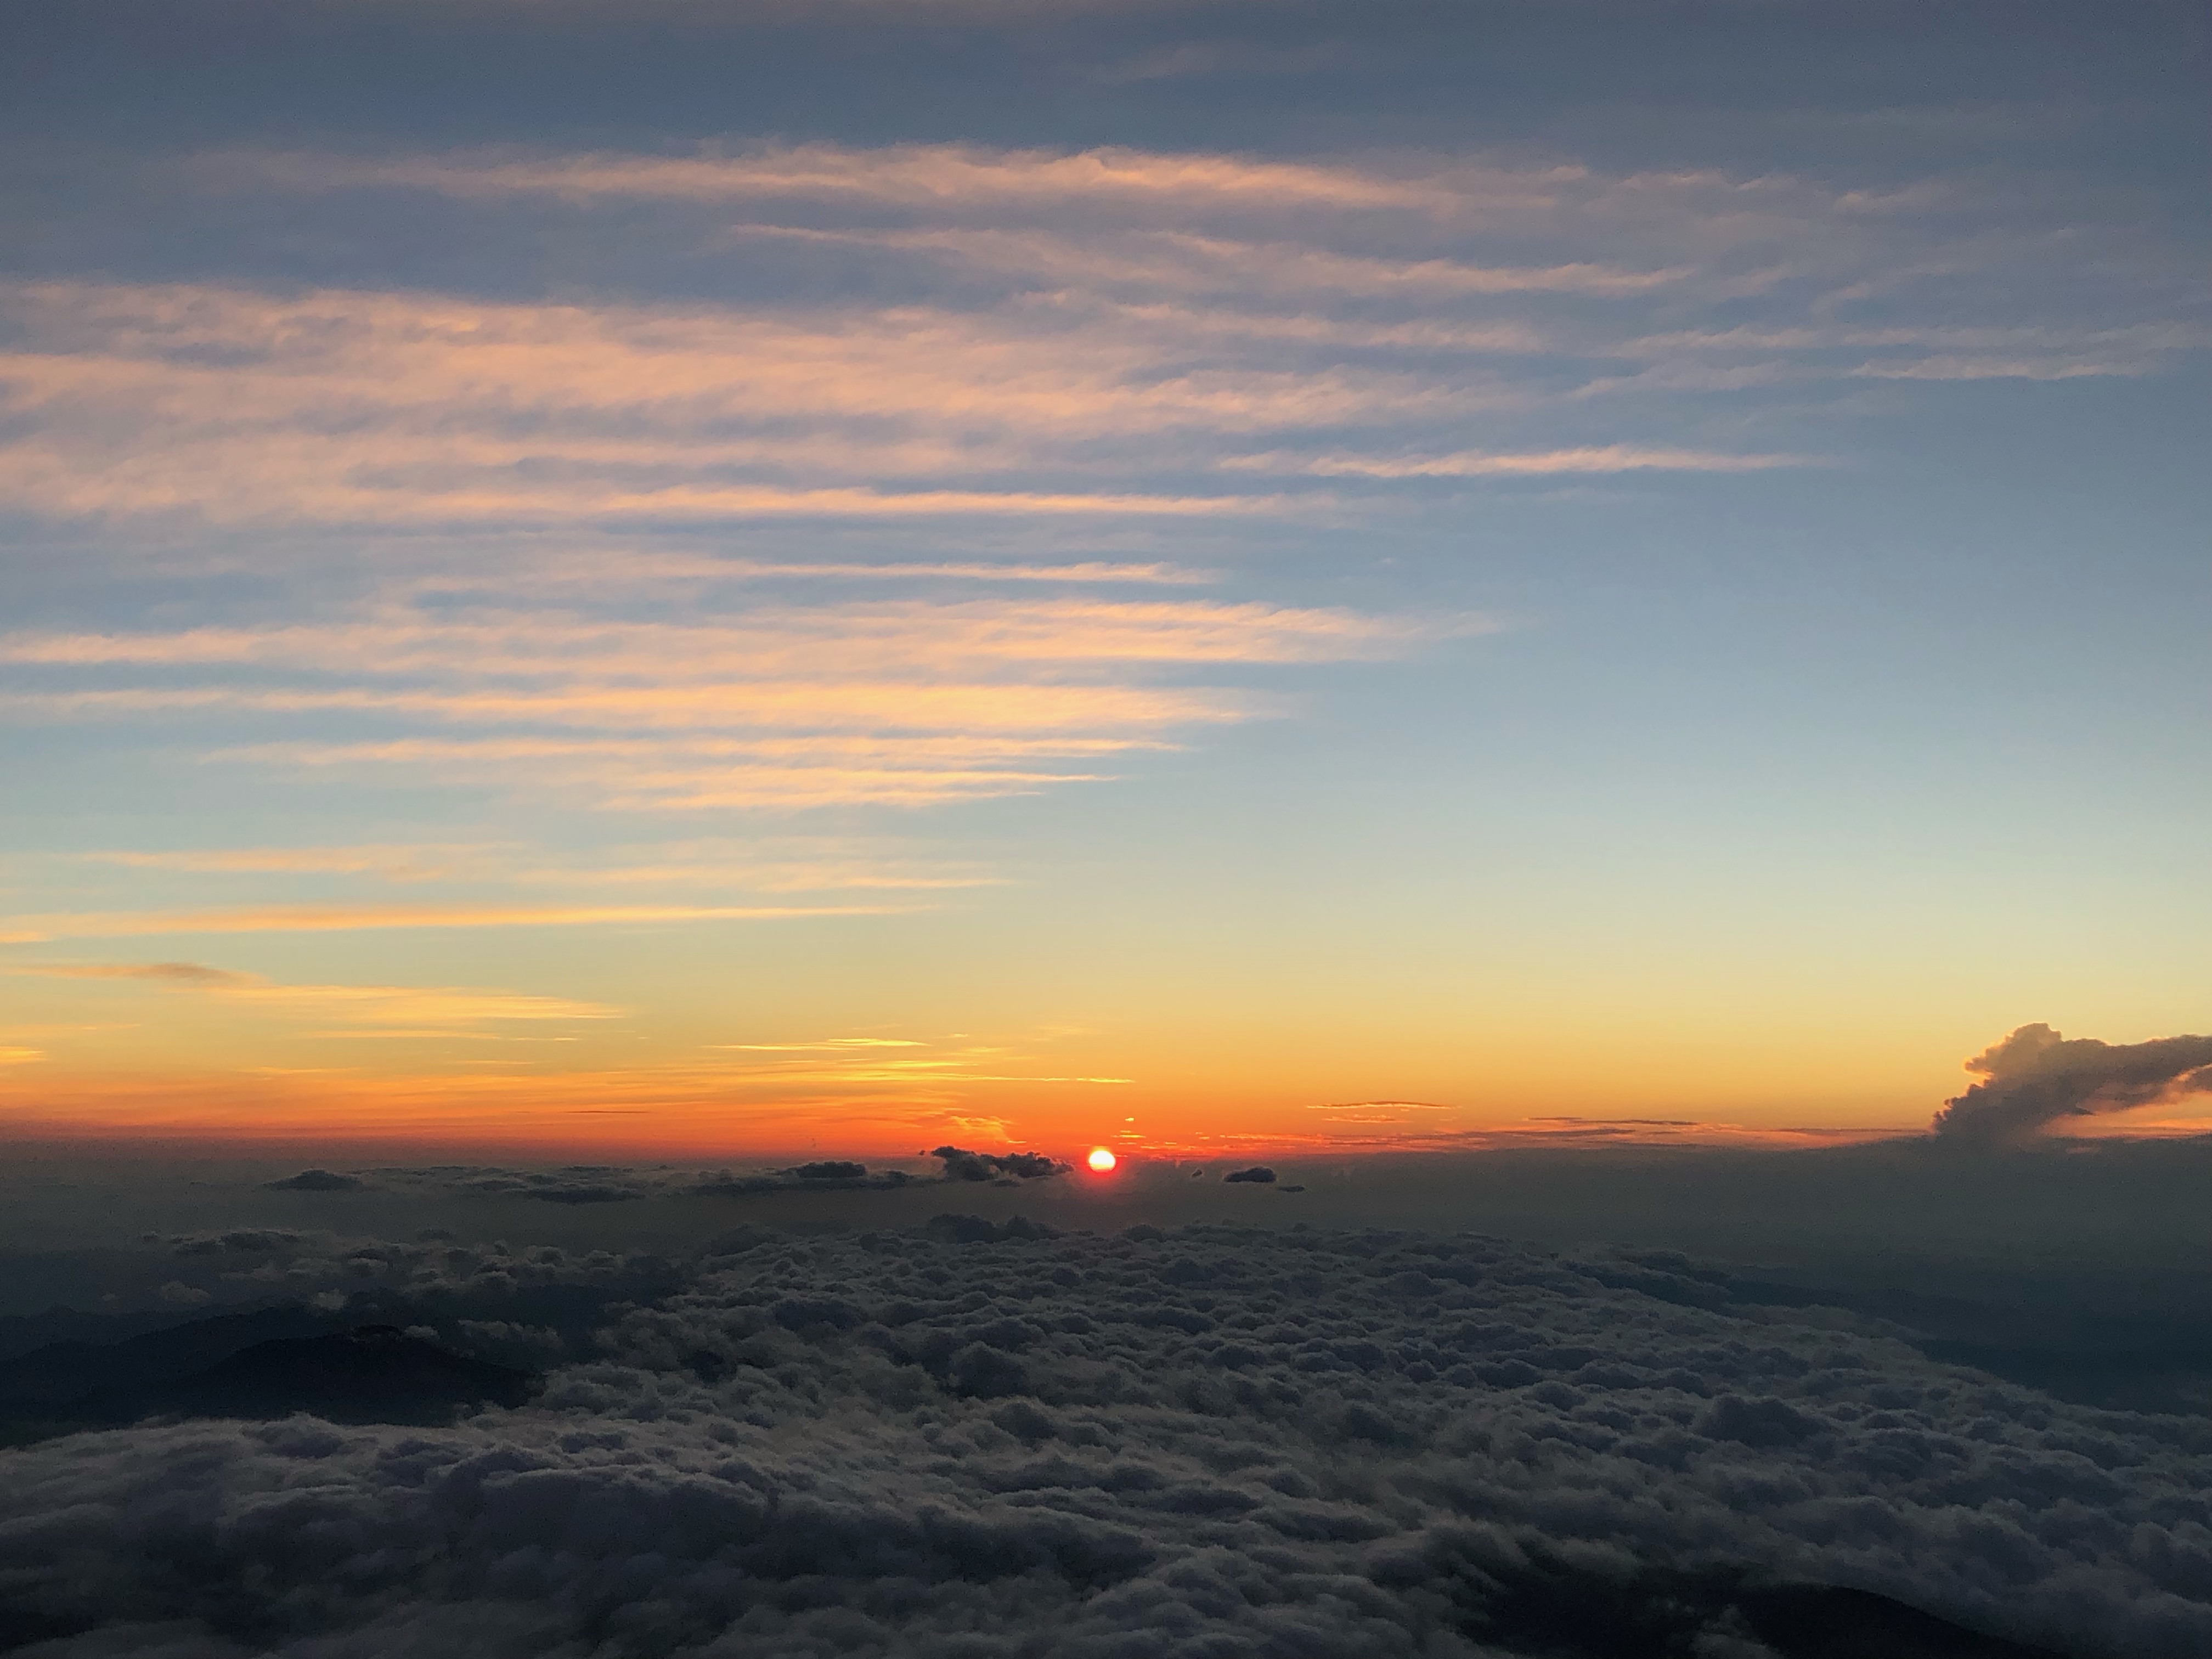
(592, 1184)
(193, 973)
(324, 918)
(936, 178)
(976, 1438)
(2036, 1080)
(776, 864)
(772, 644)
(1043, 335)
(1606, 458)
(961, 1164)
(419, 861)
(643, 570)
(364, 1010)
(904, 703)
(372, 408)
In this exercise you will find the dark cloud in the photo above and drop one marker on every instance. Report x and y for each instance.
(829, 1176)
(983, 1439)
(964, 1165)
(589, 1184)
(2035, 1078)
(1259, 1172)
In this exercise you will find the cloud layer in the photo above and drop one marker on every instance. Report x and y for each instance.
(1201, 1441)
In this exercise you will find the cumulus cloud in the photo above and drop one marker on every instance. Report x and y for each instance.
(983, 1440)
(2036, 1078)
(962, 1165)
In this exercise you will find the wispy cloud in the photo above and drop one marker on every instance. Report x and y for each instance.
(1043, 335)
(827, 1044)
(193, 973)
(771, 643)
(405, 862)
(761, 865)
(321, 918)
(382, 409)
(936, 178)
(637, 569)
(1474, 463)
(905, 702)
(437, 1007)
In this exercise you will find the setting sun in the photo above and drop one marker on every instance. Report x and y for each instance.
(1100, 1160)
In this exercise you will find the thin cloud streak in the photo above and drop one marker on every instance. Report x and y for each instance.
(1600, 459)
(436, 1006)
(686, 774)
(935, 177)
(634, 569)
(706, 714)
(316, 918)
(883, 706)
(754, 865)
(1187, 264)
(774, 641)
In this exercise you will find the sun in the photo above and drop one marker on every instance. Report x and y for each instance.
(1100, 1160)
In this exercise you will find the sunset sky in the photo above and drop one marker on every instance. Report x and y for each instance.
(725, 578)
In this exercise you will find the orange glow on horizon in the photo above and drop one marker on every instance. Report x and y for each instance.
(710, 1109)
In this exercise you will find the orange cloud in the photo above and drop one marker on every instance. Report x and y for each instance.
(776, 642)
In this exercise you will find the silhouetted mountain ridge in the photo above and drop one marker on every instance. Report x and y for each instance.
(269, 1362)
(1545, 1606)
(371, 1374)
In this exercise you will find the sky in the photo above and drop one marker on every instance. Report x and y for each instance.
(745, 579)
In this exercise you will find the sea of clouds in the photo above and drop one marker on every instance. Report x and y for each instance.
(977, 1439)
